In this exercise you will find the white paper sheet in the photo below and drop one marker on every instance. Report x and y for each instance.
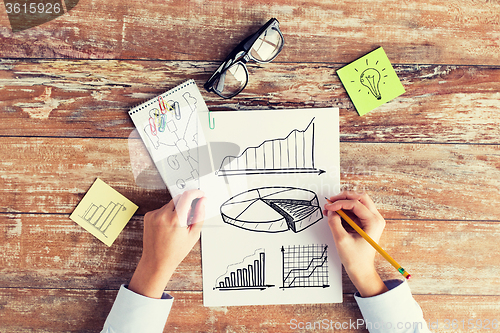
(168, 126)
(267, 241)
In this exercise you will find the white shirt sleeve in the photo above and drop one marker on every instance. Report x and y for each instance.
(132, 312)
(393, 311)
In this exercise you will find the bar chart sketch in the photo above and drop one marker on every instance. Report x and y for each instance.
(249, 274)
(102, 217)
(291, 154)
(305, 266)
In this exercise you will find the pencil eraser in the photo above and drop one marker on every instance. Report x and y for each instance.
(408, 277)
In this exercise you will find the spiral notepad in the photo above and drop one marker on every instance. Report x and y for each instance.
(168, 126)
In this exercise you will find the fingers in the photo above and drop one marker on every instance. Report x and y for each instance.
(198, 216)
(183, 206)
(335, 224)
(356, 196)
(356, 207)
(175, 200)
(198, 211)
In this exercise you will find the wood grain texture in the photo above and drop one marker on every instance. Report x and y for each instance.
(442, 104)
(438, 181)
(430, 158)
(51, 175)
(67, 310)
(464, 32)
(51, 251)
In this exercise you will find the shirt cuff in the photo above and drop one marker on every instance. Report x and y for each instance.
(393, 311)
(132, 312)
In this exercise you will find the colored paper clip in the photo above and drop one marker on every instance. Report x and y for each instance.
(211, 121)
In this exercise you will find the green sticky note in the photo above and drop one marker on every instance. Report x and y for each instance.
(370, 81)
(103, 212)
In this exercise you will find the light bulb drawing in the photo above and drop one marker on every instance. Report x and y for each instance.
(370, 78)
(370, 81)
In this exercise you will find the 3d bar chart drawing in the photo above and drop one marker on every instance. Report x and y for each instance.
(101, 217)
(103, 212)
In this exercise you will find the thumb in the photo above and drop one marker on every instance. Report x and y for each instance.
(198, 216)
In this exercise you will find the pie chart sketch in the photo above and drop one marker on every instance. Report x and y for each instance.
(272, 209)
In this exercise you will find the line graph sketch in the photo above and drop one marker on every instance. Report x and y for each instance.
(305, 266)
(291, 154)
(101, 217)
(248, 274)
(272, 209)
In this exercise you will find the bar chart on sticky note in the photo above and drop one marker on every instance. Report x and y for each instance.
(103, 212)
(102, 217)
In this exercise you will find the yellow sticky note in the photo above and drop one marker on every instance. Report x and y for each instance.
(370, 81)
(103, 212)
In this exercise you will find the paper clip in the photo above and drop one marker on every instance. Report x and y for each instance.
(211, 121)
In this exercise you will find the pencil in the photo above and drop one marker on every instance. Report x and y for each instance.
(372, 243)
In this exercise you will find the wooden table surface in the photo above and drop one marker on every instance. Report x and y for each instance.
(430, 158)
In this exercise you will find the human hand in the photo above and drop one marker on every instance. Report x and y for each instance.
(167, 241)
(356, 254)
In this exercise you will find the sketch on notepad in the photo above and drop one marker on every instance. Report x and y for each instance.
(168, 126)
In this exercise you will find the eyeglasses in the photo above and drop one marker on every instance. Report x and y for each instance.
(232, 75)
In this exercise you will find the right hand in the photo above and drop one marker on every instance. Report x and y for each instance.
(356, 254)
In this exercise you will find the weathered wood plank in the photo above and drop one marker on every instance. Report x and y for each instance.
(420, 181)
(51, 310)
(51, 251)
(430, 158)
(51, 175)
(436, 32)
(91, 98)
(54, 310)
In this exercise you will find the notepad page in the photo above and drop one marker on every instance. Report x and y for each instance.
(168, 126)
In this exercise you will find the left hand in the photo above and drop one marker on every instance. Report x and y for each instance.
(167, 241)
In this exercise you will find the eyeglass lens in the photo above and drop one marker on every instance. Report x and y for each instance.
(266, 46)
(235, 78)
(232, 80)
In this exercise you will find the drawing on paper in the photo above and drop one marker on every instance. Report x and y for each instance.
(249, 274)
(370, 81)
(101, 217)
(272, 209)
(305, 266)
(175, 129)
(291, 154)
(371, 77)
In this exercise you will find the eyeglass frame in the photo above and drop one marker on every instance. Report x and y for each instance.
(241, 54)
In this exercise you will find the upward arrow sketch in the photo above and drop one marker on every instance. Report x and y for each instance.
(293, 153)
